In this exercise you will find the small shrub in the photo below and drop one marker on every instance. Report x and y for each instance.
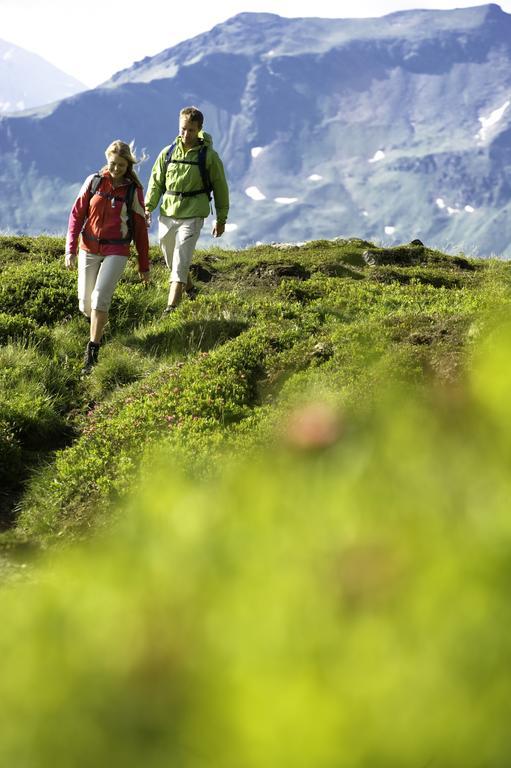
(31, 413)
(35, 394)
(45, 293)
(117, 367)
(179, 336)
(21, 329)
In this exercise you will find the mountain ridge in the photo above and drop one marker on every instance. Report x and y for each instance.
(401, 134)
(27, 80)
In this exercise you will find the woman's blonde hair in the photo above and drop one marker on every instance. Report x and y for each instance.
(125, 151)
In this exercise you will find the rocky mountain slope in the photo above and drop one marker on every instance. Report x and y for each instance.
(387, 129)
(27, 80)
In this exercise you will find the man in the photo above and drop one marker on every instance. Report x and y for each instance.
(184, 175)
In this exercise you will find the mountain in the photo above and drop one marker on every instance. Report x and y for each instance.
(387, 129)
(27, 80)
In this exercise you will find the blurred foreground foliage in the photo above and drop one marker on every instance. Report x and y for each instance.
(337, 599)
(282, 515)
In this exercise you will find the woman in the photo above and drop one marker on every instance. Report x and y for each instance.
(106, 216)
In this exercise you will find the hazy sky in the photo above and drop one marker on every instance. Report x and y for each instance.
(92, 39)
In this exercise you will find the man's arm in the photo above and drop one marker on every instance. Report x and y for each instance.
(220, 193)
(156, 186)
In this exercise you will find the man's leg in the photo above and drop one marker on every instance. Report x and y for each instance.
(175, 293)
(167, 227)
(187, 234)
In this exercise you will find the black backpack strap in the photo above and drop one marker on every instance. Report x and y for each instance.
(95, 183)
(204, 171)
(130, 194)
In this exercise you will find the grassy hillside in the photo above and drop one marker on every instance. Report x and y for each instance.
(284, 510)
(269, 325)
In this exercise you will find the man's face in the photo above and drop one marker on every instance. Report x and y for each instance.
(189, 132)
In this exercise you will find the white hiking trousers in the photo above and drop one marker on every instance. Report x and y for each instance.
(178, 238)
(97, 279)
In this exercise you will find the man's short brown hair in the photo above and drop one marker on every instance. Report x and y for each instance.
(193, 114)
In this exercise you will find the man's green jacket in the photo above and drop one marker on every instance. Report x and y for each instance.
(186, 177)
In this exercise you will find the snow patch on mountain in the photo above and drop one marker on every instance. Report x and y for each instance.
(254, 193)
(378, 155)
(487, 123)
(453, 209)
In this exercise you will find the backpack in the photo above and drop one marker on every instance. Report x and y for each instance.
(94, 190)
(201, 162)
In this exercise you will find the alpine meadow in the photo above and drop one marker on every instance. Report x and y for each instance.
(270, 530)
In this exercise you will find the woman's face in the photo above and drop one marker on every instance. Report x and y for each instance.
(117, 166)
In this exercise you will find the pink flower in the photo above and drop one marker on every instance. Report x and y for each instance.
(312, 426)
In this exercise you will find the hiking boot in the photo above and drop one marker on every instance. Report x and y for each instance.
(192, 292)
(168, 310)
(91, 357)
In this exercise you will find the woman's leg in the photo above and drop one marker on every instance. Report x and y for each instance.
(97, 323)
(88, 268)
(109, 275)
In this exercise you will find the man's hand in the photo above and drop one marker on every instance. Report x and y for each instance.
(70, 260)
(218, 229)
(148, 218)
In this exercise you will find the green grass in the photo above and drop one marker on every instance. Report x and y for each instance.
(270, 530)
(270, 325)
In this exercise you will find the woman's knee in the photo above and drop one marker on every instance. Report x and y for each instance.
(100, 301)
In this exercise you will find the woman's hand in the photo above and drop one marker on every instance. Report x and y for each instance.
(70, 260)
